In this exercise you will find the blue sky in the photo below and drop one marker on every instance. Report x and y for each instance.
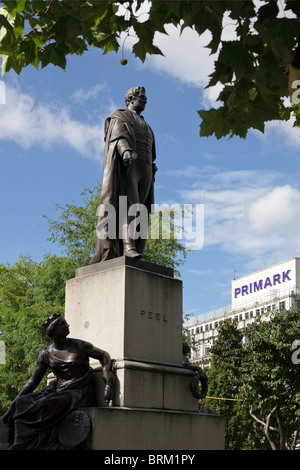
(51, 146)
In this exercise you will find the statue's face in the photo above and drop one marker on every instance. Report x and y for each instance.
(62, 328)
(139, 102)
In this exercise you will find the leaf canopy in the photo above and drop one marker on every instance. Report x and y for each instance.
(251, 67)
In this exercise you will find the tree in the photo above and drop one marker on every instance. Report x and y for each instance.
(251, 67)
(224, 386)
(264, 374)
(272, 381)
(75, 228)
(240, 433)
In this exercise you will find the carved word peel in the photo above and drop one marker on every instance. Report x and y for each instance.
(154, 316)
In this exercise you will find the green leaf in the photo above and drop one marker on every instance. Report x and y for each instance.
(213, 123)
(268, 11)
(52, 54)
(140, 49)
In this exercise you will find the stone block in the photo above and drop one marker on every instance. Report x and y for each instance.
(131, 309)
(147, 429)
(154, 386)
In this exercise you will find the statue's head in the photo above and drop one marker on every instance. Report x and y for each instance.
(185, 348)
(133, 93)
(52, 322)
(136, 99)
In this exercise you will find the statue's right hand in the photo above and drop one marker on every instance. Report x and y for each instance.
(127, 158)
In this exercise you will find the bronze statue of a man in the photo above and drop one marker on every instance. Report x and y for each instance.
(35, 419)
(128, 171)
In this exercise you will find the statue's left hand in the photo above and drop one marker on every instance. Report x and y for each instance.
(109, 388)
(108, 377)
(108, 393)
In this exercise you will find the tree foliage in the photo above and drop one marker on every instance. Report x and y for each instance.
(251, 67)
(240, 433)
(264, 375)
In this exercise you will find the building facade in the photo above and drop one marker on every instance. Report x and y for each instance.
(272, 289)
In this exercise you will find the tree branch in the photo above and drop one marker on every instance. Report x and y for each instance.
(295, 438)
(266, 425)
(246, 45)
(48, 9)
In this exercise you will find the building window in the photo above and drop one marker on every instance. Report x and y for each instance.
(197, 330)
(241, 317)
(257, 312)
(281, 305)
(251, 314)
(206, 327)
(246, 315)
(216, 324)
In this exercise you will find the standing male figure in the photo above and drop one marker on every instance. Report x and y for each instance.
(128, 170)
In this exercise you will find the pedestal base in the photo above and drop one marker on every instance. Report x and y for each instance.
(154, 386)
(133, 310)
(147, 429)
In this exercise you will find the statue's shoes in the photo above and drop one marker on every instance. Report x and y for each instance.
(132, 254)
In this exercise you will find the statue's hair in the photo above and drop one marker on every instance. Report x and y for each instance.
(132, 93)
(51, 328)
(185, 348)
(50, 324)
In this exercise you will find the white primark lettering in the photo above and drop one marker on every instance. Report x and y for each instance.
(115, 460)
(170, 459)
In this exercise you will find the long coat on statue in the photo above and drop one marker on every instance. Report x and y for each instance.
(119, 125)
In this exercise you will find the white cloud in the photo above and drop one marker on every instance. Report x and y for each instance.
(29, 124)
(82, 94)
(247, 212)
(282, 133)
(185, 56)
(276, 209)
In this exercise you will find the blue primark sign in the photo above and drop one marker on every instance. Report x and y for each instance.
(262, 284)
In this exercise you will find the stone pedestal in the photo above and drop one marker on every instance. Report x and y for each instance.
(147, 429)
(133, 310)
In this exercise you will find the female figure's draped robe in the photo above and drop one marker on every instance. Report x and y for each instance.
(34, 418)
